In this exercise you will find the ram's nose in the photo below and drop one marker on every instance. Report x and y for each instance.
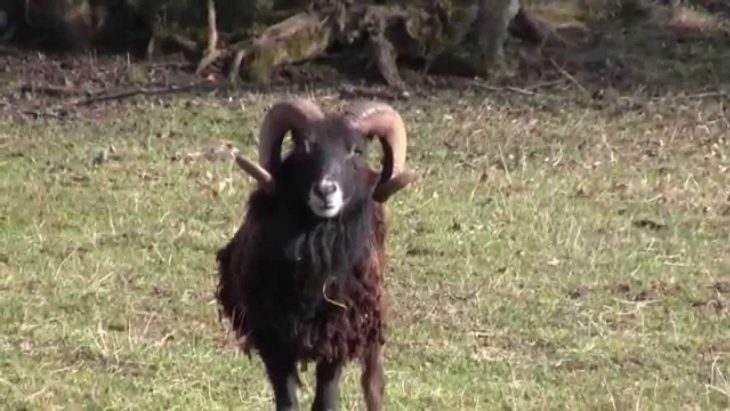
(325, 198)
(325, 188)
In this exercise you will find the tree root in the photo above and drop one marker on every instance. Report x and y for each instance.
(212, 53)
(170, 43)
(50, 90)
(385, 59)
(235, 66)
(102, 97)
(307, 35)
(388, 33)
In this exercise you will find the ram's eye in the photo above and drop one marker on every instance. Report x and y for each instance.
(357, 151)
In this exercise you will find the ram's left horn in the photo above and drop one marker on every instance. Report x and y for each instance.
(259, 174)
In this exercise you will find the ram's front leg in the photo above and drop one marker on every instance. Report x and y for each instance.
(282, 373)
(328, 386)
(373, 378)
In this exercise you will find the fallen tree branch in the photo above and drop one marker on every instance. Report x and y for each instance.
(50, 90)
(63, 110)
(418, 34)
(137, 92)
(695, 96)
(570, 78)
(189, 48)
(38, 114)
(484, 86)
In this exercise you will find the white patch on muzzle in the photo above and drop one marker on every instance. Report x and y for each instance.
(325, 199)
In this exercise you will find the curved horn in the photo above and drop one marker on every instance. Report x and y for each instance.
(380, 119)
(282, 117)
(256, 171)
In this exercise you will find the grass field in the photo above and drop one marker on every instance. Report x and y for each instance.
(559, 252)
(548, 259)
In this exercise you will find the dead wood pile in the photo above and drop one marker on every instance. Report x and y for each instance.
(435, 35)
(446, 34)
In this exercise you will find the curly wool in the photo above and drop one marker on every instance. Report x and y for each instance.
(315, 303)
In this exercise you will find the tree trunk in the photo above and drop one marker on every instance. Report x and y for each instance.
(491, 24)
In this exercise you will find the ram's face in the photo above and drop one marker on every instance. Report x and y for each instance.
(328, 169)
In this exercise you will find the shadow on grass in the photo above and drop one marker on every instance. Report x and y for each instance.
(661, 49)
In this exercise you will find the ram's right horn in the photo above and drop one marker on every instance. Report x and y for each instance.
(382, 120)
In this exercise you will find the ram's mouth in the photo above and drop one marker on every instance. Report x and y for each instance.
(325, 208)
(325, 211)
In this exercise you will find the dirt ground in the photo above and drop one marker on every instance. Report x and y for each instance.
(87, 87)
(34, 84)
(613, 67)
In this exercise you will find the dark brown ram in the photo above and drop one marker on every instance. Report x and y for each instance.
(301, 280)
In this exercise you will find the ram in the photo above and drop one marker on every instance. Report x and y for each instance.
(301, 279)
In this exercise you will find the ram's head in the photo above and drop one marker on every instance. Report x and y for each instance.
(326, 169)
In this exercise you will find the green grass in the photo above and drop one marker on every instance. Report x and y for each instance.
(521, 277)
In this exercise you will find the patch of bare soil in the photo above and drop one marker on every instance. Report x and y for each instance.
(597, 71)
(654, 290)
(71, 87)
(716, 297)
(713, 298)
(68, 86)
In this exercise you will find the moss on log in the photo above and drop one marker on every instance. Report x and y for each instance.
(298, 38)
